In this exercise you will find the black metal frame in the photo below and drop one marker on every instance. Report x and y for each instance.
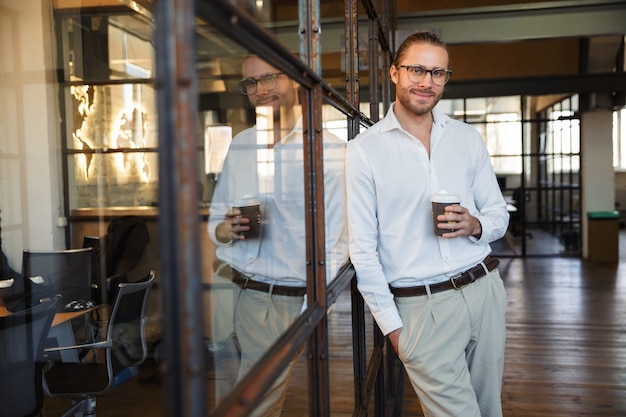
(178, 221)
(378, 377)
(179, 236)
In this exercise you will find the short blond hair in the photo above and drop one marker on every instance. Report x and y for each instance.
(423, 36)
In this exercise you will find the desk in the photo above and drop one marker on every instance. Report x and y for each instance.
(59, 318)
(61, 332)
(63, 317)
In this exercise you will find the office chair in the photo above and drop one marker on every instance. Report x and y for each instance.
(116, 255)
(22, 338)
(98, 270)
(518, 216)
(124, 346)
(64, 272)
(104, 285)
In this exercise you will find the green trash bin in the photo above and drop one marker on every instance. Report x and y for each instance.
(603, 236)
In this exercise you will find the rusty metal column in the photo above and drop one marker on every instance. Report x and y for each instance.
(184, 364)
(373, 68)
(388, 46)
(351, 19)
(317, 347)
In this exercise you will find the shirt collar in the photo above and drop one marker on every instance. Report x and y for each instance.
(294, 135)
(390, 122)
(440, 119)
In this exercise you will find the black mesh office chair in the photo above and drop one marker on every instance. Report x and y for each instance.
(64, 272)
(124, 346)
(22, 338)
(117, 255)
(518, 217)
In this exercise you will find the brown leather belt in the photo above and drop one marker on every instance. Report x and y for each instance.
(246, 283)
(456, 282)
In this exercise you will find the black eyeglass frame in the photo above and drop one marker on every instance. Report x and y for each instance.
(446, 73)
(264, 79)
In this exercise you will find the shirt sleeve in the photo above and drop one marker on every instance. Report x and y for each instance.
(336, 225)
(219, 203)
(490, 204)
(363, 232)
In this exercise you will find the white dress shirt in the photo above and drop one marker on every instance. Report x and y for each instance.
(276, 175)
(390, 180)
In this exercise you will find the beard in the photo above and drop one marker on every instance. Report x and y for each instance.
(276, 101)
(268, 101)
(417, 105)
(279, 102)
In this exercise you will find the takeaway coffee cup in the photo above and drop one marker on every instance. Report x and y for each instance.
(439, 202)
(250, 208)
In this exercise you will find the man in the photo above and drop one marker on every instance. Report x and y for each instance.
(266, 162)
(447, 326)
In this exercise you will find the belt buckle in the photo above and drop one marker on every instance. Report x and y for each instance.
(245, 283)
(455, 276)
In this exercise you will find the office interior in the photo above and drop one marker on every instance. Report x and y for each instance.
(116, 108)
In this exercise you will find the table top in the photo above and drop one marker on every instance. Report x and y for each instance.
(59, 318)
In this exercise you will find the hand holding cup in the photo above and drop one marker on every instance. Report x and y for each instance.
(440, 201)
(250, 208)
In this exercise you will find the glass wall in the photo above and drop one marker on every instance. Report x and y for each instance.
(535, 152)
(267, 132)
(558, 191)
(149, 133)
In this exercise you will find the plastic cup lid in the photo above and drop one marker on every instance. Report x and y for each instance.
(443, 196)
(246, 200)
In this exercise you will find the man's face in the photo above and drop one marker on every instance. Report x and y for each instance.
(419, 97)
(282, 95)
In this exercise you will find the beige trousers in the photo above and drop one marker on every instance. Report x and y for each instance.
(452, 347)
(260, 318)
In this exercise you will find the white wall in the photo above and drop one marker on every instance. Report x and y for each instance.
(598, 176)
(30, 175)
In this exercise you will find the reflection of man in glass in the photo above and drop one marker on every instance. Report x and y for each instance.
(266, 162)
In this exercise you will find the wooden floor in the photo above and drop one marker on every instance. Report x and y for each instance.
(565, 352)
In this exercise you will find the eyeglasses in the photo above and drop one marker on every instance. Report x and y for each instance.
(416, 73)
(269, 80)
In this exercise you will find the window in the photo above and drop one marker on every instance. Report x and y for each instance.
(619, 139)
(110, 118)
(563, 141)
(498, 119)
